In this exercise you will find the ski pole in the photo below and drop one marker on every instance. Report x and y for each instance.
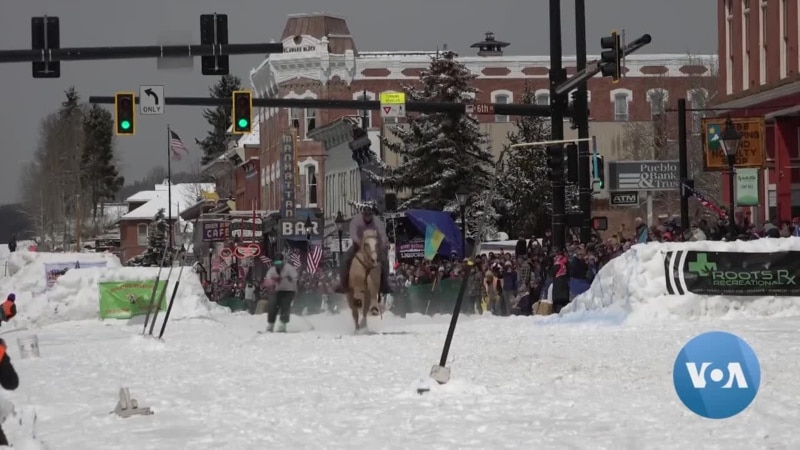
(171, 302)
(153, 292)
(169, 276)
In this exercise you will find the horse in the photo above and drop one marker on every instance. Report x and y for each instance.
(365, 280)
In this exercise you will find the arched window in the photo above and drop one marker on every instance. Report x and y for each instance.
(504, 97)
(311, 185)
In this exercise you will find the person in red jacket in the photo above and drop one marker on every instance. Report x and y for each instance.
(8, 380)
(9, 308)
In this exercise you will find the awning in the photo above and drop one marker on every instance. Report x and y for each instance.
(791, 111)
(758, 98)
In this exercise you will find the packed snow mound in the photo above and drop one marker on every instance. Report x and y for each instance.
(76, 295)
(634, 285)
(22, 246)
(27, 275)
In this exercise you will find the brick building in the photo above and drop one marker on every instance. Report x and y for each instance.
(321, 60)
(759, 62)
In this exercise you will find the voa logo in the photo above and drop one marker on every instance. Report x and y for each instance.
(716, 375)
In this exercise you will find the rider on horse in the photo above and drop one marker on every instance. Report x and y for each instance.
(358, 224)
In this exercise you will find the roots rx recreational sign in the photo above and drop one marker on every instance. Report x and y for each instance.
(126, 299)
(732, 273)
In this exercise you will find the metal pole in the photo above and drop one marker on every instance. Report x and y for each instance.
(683, 162)
(732, 193)
(341, 247)
(463, 231)
(557, 106)
(169, 189)
(581, 115)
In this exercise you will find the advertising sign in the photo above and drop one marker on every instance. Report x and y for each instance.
(732, 273)
(126, 299)
(54, 270)
(216, 231)
(643, 175)
(752, 147)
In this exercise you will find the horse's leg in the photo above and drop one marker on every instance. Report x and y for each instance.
(353, 309)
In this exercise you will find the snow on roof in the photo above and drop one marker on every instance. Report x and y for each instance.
(142, 196)
(183, 196)
(424, 56)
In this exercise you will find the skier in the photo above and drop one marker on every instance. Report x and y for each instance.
(285, 279)
(8, 379)
(9, 308)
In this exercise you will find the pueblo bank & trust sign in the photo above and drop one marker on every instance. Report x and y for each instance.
(643, 175)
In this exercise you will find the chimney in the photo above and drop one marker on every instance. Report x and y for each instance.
(489, 46)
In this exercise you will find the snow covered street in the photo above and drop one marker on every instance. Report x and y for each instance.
(517, 383)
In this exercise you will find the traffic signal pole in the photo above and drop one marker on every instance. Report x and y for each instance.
(556, 153)
(511, 109)
(135, 52)
(581, 118)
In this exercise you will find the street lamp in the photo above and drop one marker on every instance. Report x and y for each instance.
(462, 197)
(308, 226)
(210, 255)
(730, 143)
(340, 231)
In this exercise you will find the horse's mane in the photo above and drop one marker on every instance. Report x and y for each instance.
(370, 234)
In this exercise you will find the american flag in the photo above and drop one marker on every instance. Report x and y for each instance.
(294, 258)
(705, 202)
(177, 146)
(314, 257)
(266, 260)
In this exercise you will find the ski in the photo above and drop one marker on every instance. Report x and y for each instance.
(155, 288)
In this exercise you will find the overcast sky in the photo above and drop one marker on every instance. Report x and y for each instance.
(677, 26)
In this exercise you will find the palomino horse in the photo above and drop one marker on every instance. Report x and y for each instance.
(365, 280)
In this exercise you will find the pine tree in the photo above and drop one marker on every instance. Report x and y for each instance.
(219, 118)
(524, 176)
(156, 244)
(440, 151)
(99, 174)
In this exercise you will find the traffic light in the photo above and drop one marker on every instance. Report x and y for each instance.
(45, 35)
(214, 31)
(124, 104)
(572, 162)
(611, 57)
(599, 170)
(242, 112)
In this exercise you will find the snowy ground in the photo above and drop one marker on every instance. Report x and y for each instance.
(574, 382)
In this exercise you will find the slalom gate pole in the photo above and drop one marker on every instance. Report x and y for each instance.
(161, 296)
(153, 293)
(456, 311)
(171, 302)
(178, 252)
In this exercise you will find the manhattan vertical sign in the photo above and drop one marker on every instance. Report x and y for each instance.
(287, 206)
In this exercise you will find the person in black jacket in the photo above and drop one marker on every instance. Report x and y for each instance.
(8, 379)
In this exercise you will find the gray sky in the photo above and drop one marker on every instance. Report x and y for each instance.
(677, 26)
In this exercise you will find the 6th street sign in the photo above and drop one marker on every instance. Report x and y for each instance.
(151, 100)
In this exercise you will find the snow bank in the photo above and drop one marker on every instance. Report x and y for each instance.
(634, 285)
(22, 246)
(76, 296)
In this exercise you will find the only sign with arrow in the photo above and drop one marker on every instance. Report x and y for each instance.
(151, 100)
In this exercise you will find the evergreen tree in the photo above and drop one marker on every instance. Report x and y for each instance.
(440, 151)
(156, 244)
(524, 177)
(219, 118)
(99, 174)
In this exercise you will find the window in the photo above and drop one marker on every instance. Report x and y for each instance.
(311, 186)
(698, 99)
(784, 54)
(142, 235)
(502, 97)
(762, 54)
(746, 44)
(621, 107)
(729, 35)
(543, 99)
(294, 118)
(311, 120)
(365, 96)
(658, 101)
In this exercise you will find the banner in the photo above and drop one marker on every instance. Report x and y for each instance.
(732, 273)
(411, 249)
(54, 270)
(747, 187)
(126, 299)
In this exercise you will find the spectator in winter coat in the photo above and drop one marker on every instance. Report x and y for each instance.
(9, 308)
(521, 249)
(8, 379)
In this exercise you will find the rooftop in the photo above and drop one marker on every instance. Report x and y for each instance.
(183, 196)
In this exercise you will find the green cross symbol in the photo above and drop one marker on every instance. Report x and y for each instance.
(701, 265)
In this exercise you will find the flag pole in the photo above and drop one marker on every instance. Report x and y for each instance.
(169, 188)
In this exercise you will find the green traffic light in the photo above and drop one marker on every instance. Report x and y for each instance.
(243, 123)
(125, 125)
